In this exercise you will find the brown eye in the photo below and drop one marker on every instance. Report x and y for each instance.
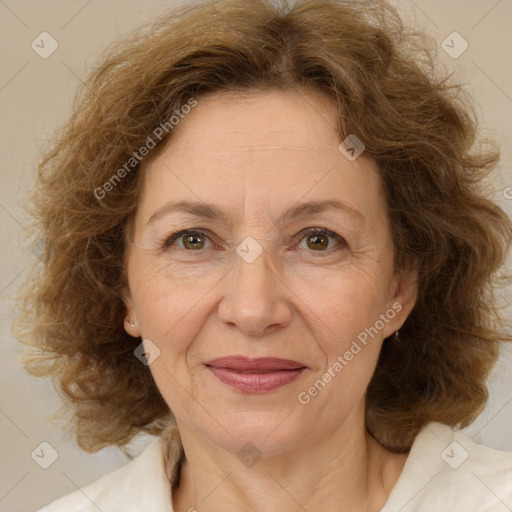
(195, 241)
(191, 240)
(319, 240)
(316, 242)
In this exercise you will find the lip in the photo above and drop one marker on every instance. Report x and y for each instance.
(258, 375)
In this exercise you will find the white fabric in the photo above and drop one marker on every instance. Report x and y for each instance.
(433, 481)
(445, 471)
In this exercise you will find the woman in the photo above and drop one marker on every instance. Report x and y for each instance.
(267, 245)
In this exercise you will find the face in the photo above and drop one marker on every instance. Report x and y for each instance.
(291, 260)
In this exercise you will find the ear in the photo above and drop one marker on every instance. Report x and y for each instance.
(131, 324)
(403, 296)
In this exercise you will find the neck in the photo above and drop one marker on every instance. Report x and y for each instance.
(348, 468)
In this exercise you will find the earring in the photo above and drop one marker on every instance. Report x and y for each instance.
(396, 337)
(132, 323)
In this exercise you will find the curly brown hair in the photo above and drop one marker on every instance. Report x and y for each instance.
(418, 127)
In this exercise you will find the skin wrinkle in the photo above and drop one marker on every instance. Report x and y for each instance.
(274, 306)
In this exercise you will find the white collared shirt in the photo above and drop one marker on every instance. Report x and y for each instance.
(445, 471)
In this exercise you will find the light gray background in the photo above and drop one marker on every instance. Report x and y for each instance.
(36, 95)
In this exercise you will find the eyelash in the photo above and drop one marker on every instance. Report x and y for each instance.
(303, 234)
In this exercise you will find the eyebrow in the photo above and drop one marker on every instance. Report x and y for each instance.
(210, 211)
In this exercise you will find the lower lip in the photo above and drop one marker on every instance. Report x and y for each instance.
(256, 382)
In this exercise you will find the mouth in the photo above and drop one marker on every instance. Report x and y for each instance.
(255, 375)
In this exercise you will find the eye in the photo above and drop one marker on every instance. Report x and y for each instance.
(192, 240)
(318, 239)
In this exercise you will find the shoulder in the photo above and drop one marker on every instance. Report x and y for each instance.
(142, 484)
(446, 470)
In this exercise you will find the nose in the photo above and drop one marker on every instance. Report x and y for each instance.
(255, 298)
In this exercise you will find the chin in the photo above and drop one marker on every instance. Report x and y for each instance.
(266, 432)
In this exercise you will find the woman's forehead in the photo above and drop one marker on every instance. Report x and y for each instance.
(301, 120)
(227, 148)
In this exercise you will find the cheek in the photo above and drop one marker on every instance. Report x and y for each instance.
(348, 344)
(348, 337)
(165, 300)
(346, 305)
